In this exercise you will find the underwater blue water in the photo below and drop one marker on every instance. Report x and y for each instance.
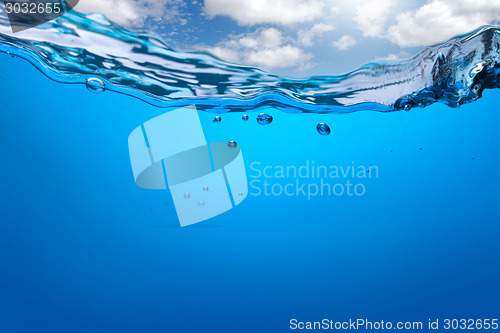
(84, 249)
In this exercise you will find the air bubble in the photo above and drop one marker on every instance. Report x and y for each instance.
(407, 107)
(264, 119)
(419, 148)
(205, 188)
(201, 203)
(187, 195)
(95, 85)
(323, 129)
(232, 144)
(217, 119)
(240, 194)
(244, 117)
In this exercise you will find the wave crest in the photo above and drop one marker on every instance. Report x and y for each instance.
(76, 47)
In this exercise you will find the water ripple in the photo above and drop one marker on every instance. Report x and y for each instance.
(77, 47)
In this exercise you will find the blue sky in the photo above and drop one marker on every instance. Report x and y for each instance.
(299, 38)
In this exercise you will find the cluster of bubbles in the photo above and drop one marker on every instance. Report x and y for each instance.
(409, 104)
(201, 203)
(97, 86)
(265, 119)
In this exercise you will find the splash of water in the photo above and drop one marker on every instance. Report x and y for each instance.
(76, 48)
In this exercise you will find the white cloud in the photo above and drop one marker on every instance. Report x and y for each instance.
(131, 12)
(266, 48)
(226, 53)
(394, 56)
(270, 38)
(344, 43)
(283, 56)
(252, 12)
(371, 17)
(438, 20)
(306, 37)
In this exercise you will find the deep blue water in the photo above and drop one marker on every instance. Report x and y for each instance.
(83, 249)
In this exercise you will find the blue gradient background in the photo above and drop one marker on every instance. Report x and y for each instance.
(83, 249)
